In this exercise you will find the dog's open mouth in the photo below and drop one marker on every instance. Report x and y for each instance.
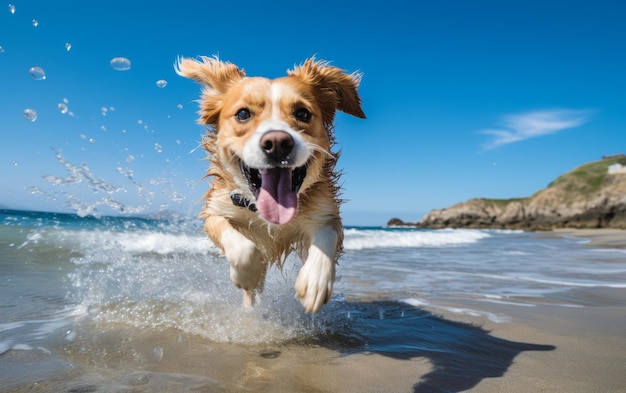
(275, 190)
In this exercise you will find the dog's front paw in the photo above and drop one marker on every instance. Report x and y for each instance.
(314, 284)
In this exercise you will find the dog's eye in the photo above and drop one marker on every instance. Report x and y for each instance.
(243, 115)
(302, 114)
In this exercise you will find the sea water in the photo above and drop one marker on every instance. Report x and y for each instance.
(62, 275)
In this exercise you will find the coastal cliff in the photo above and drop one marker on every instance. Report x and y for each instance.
(592, 195)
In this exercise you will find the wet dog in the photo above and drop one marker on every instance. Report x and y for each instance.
(274, 184)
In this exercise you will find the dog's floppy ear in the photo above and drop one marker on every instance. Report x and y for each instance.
(216, 76)
(337, 89)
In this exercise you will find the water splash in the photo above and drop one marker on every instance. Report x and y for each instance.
(37, 73)
(68, 46)
(62, 108)
(120, 64)
(30, 114)
(158, 148)
(161, 83)
(12, 8)
(35, 23)
(96, 192)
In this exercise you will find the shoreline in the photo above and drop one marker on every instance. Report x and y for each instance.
(599, 238)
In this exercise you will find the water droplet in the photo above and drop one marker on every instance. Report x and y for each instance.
(91, 140)
(30, 114)
(1, 49)
(62, 108)
(179, 106)
(65, 101)
(161, 83)
(37, 73)
(14, 163)
(158, 148)
(120, 64)
(11, 8)
(130, 158)
(68, 46)
(35, 23)
(157, 353)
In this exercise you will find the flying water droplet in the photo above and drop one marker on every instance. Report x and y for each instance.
(120, 64)
(37, 73)
(161, 83)
(1, 49)
(11, 8)
(68, 46)
(62, 108)
(158, 148)
(30, 114)
(35, 23)
(15, 163)
(130, 158)
(179, 106)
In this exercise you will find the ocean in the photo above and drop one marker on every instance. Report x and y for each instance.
(110, 304)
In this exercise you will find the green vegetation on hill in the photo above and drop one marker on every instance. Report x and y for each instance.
(586, 179)
(501, 202)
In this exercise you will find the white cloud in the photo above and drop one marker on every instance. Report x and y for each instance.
(533, 124)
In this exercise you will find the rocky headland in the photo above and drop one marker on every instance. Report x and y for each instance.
(592, 195)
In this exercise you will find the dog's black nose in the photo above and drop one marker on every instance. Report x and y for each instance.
(277, 145)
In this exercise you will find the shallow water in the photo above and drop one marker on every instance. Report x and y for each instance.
(98, 302)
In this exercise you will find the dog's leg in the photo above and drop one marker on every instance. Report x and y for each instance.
(314, 285)
(247, 271)
(246, 268)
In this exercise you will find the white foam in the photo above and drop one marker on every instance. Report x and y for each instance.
(134, 242)
(356, 239)
(458, 310)
(573, 283)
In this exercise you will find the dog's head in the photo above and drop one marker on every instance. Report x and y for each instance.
(273, 136)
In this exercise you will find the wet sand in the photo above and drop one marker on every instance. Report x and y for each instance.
(547, 349)
(389, 347)
(604, 237)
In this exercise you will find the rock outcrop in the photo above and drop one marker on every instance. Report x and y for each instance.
(590, 196)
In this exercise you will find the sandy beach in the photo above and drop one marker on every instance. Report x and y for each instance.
(376, 346)
(604, 237)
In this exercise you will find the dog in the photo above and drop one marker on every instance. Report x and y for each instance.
(273, 187)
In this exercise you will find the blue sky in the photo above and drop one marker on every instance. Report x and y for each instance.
(463, 99)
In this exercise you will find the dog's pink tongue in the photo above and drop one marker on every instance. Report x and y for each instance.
(276, 201)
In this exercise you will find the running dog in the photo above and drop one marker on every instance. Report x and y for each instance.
(273, 187)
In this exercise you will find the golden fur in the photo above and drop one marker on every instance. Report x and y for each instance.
(319, 89)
